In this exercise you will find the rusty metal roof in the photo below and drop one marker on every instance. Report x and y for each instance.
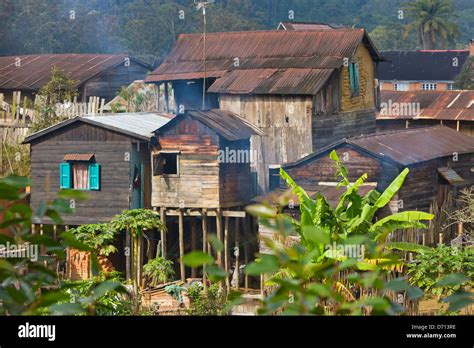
(31, 72)
(228, 124)
(261, 50)
(405, 147)
(273, 81)
(434, 105)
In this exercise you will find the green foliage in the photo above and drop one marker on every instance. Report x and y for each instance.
(97, 236)
(101, 295)
(15, 160)
(211, 303)
(465, 80)
(442, 270)
(42, 26)
(136, 220)
(59, 89)
(158, 270)
(133, 100)
(304, 272)
(432, 21)
(28, 283)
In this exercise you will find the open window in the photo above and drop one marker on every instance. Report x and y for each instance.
(354, 78)
(166, 163)
(79, 172)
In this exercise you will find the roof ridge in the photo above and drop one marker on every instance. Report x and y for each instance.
(272, 31)
(407, 130)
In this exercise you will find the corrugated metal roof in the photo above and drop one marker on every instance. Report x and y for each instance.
(137, 125)
(228, 124)
(31, 72)
(273, 81)
(416, 145)
(140, 124)
(437, 105)
(405, 147)
(235, 51)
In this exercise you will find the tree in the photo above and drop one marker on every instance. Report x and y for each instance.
(432, 23)
(135, 222)
(465, 80)
(59, 89)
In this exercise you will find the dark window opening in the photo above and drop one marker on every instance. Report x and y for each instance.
(165, 164)
(274, 177)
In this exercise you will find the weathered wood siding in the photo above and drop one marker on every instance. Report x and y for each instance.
(323, 169)
(107, 84)
(197, 184)
(465, 127)
(234, 174)
(329, 128)
(110, 151)
(286, 122)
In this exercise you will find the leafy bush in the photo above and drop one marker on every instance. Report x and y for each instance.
(158, 270)
(97, 236)
(436, 264)
(211, 303)
(107, 301)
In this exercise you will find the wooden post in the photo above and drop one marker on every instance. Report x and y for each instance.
(460, 229)
(423, 238)
(237, 253)
(181, 245)
(204, 246)
(226, 252)
(440, 238)
(246, 260)
(167, 98)
(219, 235)
(163, 233)
(140, 260)
(458, 125)
(193, 244)
(128, 245)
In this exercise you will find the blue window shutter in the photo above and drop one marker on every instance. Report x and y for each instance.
(94, 176)
(356, 78)
(351, 77)
(65, 175)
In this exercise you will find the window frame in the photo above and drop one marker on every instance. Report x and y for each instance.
(354, 79)
(178, 163)
(432, 86)
(70, 176)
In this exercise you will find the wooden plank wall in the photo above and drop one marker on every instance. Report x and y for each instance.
(197, 184)
(107, 84)
(286, 122)
(328, 128)
(110, 150)
(235, 178)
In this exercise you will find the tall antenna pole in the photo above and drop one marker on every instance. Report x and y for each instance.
(203, 5)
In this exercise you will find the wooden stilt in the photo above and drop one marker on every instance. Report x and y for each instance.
(237, 253)
(219, 235)
(204, 247)
(167, 97)
(193, 244)
(163, 233)
(226, 252)
(181, 246)
(460, 229)
(128, 246)
(246, 260)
